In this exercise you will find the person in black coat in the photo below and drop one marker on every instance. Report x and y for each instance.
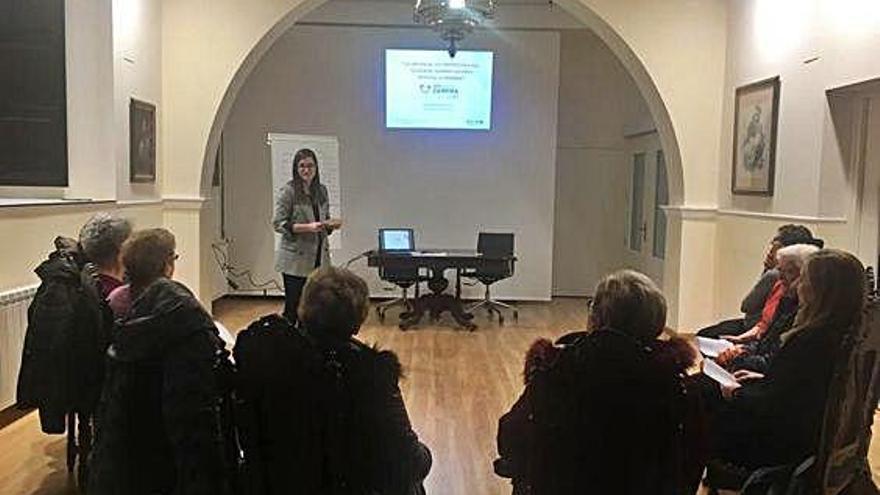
(606, 412)
(321, 413)
(775, 418)
(159, 430)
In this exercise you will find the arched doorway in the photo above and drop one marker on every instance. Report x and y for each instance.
(628, 57)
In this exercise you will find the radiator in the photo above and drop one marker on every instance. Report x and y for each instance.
(13, 324)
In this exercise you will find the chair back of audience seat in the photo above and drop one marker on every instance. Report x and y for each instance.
(842, 457)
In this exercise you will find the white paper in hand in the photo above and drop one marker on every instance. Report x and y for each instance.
(714, 371)
(712, 347)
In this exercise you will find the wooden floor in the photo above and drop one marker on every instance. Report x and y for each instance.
(457, 385)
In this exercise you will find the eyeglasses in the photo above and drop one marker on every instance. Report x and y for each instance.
(306, 165)
(175, 257)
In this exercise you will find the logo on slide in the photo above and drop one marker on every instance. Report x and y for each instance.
(425, 88)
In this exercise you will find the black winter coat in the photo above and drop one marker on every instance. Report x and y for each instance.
(778, 419)
(62, 363)
(159, 431)
(606, 416)
(320, 416)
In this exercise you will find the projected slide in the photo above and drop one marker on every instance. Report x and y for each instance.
(427, 89)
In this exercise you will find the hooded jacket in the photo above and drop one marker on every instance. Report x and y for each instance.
(160, 428)
(323, 416)
(602, 413)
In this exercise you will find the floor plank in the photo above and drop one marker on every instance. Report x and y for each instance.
(457, 385)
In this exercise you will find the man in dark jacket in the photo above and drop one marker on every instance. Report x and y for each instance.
(322, 412)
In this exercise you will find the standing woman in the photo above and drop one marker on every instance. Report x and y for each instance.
(302, 217)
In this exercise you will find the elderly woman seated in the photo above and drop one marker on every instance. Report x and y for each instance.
(754, 303)
(160, 423)
(775, 418)
(755, 349)
(321, 411)
(605, 412)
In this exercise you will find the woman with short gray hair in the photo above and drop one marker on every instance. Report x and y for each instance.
(601, 405)
(630, 302)
(101, 239)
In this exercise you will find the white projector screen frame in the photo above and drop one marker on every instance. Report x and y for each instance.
(428, 89)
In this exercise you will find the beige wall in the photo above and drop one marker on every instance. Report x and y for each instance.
(89, 110)
(137, 72)
(597, 102)
(813, 46)
(28, 233)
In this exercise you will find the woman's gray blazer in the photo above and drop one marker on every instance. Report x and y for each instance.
(296, 253)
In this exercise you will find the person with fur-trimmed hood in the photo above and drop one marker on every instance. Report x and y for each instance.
(321, 412)
(605, 411)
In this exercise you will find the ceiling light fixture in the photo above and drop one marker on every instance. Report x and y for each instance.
(453, 19)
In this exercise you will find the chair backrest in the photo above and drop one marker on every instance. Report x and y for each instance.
(495, 244)
(401, 276)
(852, 399)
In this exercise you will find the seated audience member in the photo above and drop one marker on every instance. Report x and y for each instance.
(776, 418)
(753, 305)
(321, 412)
(605, 412)
(160, 426)
(757, 347)
(101, 240)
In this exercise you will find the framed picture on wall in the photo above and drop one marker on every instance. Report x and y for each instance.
(754, 137)
(142, 141)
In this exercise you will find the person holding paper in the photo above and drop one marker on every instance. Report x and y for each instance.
(776, 418)
(302, 217)
(756, 348)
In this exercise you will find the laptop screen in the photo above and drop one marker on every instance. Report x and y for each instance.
(396, 240)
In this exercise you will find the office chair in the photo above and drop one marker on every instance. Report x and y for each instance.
(498, 250)
(404, 278)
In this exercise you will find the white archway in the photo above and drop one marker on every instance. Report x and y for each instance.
(678, 69)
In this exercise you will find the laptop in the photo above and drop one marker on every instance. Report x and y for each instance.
(400, 241)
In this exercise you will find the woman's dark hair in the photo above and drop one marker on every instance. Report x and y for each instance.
(145, 255)
(299, 190)
(334, 302)
(791, 234)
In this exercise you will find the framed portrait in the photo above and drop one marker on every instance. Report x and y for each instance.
(142, 141)
(754, 138)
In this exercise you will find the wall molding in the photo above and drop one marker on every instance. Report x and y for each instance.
(711, 212)
(184, 202)
(780, 216)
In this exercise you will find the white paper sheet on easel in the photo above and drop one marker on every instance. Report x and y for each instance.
(284, 146)
(712, 347)
(714, 371)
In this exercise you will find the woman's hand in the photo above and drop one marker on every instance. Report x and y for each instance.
(749, 336)
(747, 375)
(727, 356)
(316, 227)
(727, 391)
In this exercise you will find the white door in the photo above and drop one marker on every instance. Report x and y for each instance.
(868, 197)
(647, 193)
